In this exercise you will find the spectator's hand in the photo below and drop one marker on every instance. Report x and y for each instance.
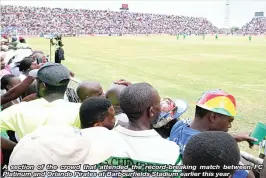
(30, 97)
(122, 82)
(72, 74)
(245, 137)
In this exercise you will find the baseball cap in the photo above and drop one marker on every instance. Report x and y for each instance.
(170, 110)
(51, 73)
(218, 101)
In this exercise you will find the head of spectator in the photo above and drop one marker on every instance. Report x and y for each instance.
(113, 94)
(171, 112)
(52, 80)
(27, 64)
(3, 64)
(212, 148)
(14, 39)
(141, 103)
(39, 57)
(215, 111)
(88, 89)
(9, 81)
(22, 40)
(4, 36)
(97, 112)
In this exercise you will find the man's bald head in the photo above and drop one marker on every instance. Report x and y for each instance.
(88, 89)
(113, 95)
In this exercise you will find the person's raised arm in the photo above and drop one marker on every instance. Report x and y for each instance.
(17, 91)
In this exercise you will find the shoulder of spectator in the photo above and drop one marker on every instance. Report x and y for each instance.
(9, 115)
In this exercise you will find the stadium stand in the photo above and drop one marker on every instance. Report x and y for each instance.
(43, 20)
(257, 26)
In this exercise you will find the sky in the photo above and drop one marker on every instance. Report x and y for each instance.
(241, 11)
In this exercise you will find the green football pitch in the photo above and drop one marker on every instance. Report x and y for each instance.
(177, 68)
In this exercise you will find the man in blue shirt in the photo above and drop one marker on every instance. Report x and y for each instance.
(215, 111)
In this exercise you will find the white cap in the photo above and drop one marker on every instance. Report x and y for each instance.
(64, 145)
(21, 54)
(9, 54)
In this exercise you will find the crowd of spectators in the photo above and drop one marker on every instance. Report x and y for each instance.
(128, 123)
(44, 20)
(257, 26)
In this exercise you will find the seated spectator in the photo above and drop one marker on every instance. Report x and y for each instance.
(211, 148)
(113, 94)
(8, 82)
(171, 112)
(88, 89)
(51, 108)
(97, 112)
(215, 111)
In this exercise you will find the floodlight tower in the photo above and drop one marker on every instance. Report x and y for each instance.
(227, 14)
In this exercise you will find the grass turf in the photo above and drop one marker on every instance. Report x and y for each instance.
(177, 68)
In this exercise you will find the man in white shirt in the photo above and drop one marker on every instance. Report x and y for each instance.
(142, 145)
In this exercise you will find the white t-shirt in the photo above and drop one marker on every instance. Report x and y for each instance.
(122, 117)
(14, 70)
(146, 146)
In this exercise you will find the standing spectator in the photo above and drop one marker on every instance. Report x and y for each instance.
(22, 44)
(141, 103)
(88, 89)
(14, 42)
(215, 111)
(51, 108)
(113, 94)
(97, 111)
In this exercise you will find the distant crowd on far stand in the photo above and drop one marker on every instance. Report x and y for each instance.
(123, 125)
(256, 26)
(44, 20)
